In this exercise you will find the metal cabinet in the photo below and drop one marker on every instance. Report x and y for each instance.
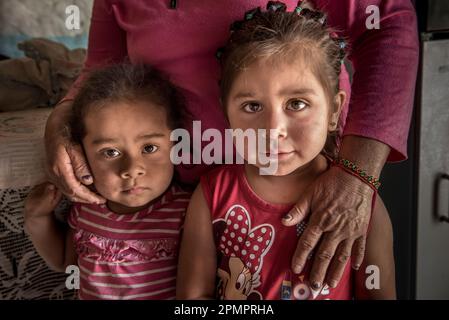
(432, 234)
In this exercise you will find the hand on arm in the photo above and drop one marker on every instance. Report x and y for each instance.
(66, 164)
(340, 208)
(52, 240)
(197, 259)
(340, 204)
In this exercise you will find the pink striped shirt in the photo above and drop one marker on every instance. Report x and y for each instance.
(129, 256)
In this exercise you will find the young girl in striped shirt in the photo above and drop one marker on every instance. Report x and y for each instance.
(126, 248)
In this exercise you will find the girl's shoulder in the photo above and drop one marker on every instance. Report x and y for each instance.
(221, 180)
(225, 170)
(223, 176)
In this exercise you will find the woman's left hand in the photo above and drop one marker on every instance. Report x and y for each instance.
(340, 207)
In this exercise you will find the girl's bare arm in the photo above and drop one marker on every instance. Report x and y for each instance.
(52, 240)
(376, 277)
(197, 259)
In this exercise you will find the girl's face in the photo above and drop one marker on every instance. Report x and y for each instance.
(128, 149)
(289, 98)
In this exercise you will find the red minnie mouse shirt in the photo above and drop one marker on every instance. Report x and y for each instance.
(254, 249)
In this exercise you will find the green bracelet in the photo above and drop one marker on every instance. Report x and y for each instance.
(345, 163)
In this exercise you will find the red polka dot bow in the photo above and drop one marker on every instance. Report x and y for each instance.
(239, 240)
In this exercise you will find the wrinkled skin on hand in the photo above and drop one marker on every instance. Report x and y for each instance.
(339, 206)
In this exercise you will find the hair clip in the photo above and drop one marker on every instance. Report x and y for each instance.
(306, 12)
(342, 45)
(340, 41)
(298, 10)
(276, 6)
(173, 4)
(219, 53)
(320, 17)
(251, 13)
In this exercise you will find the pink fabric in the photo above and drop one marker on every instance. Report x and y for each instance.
(183, 43)
(129, 256)
(254, 249)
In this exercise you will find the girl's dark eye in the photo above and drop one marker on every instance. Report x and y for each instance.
(252, 107)
(111, 153)
(296, 105)
(150, 149)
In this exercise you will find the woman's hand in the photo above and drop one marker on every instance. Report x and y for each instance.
(340, 207)
(66, 164)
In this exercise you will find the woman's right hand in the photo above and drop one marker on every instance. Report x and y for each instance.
(66, 164)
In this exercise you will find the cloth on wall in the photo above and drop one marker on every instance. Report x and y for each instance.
(41, 78)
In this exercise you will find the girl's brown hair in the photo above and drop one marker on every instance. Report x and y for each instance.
(278, 34)
(126, 82)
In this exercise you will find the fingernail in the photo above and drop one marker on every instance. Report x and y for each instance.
(357, 267)
(333, 284)
(316, 285)
(297, 269)
(287, 217)
(87, 177)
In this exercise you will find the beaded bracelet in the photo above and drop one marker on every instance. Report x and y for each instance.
(351, 167)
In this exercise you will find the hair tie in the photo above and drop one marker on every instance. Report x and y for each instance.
(342, 45)
(321, 18)
(307, 13)
(276, 6)
(173, 4)
(251, 13)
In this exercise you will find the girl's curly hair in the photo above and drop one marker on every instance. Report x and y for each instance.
(126, 82)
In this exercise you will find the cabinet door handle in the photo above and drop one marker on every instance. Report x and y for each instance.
(441, 178)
